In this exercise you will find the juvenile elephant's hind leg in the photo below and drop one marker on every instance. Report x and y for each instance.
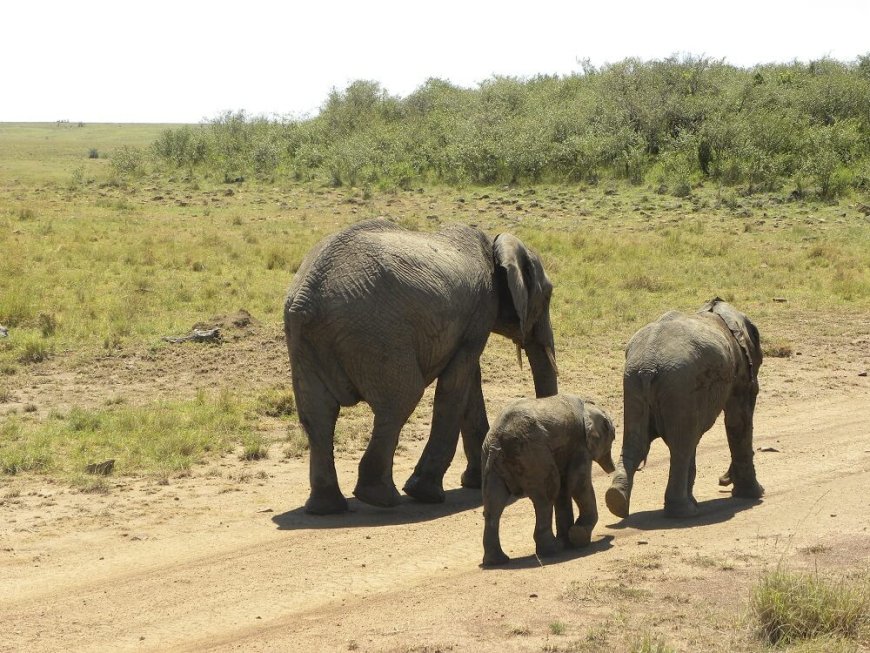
(738, 426)
(677, 501)
(495, 497)
(690, 485)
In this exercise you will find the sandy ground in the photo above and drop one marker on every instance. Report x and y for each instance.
(226, 559)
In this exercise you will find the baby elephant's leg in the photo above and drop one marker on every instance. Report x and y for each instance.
(583, 493)
(495, 497)
(545, 542)
(564, 513)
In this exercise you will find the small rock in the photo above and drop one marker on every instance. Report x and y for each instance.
(862, 373)
(643, 541)
(769, 449)
(265, 510)
(533, 596)
(780, 300)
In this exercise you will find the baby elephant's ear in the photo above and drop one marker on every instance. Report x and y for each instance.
(593, 435)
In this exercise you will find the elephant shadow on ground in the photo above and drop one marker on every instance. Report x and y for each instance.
(712, 511)
(565, 555)
(360, 514)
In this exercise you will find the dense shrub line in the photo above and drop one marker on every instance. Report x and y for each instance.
(671, 122)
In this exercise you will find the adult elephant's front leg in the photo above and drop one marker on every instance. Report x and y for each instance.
(451, 396)
(474, 426)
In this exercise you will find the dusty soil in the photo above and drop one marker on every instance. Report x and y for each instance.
(225, 559)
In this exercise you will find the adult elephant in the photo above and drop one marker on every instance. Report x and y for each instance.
(681, 372)
(376, 313)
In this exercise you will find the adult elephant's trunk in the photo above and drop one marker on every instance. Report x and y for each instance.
(541, 351)
(544, 371)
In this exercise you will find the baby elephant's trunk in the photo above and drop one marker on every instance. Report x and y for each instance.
(618, 496)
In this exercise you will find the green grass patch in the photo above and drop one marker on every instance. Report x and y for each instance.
(254, 448)
(277, 402)
(160, 438)
(791, 607)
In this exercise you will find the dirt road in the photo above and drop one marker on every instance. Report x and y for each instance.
(226, 559)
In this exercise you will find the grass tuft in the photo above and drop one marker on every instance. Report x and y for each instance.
(791, 607)
(277, 402)
(651, 644)
(253, 448)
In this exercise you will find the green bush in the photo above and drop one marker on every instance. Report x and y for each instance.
(674, 120)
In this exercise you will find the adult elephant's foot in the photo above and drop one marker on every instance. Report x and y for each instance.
(424, 489)
(472, 478)
(325, 501)
(747, 490)
(616, 501)
(680, 509)
(383, 495)
(495, 558)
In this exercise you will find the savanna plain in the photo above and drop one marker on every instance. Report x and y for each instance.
(196, 539)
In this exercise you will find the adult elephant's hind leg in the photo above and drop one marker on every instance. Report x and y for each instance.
(451, 395)
(474, 426)
(318, 411)
(375, 483)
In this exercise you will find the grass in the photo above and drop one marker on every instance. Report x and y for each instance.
(163, 437)
(791, 607)
(649, 643)
(108, 265)
(598, 590)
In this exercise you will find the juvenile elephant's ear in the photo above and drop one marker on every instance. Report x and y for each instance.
(743, 330)
(511, 254)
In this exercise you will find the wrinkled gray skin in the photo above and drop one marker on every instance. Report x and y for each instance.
(681, 372)
(376, 313)
(543, 449)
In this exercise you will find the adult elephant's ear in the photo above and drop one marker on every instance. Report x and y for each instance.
(511, 254)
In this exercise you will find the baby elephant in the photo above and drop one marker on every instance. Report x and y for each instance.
(543, 449)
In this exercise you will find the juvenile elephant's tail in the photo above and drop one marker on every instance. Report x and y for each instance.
(637, 430)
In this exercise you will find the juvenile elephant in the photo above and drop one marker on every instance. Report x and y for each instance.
(543, 449)
(376, 313)
(681, 372)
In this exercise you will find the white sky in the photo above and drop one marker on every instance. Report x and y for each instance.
(187, 60)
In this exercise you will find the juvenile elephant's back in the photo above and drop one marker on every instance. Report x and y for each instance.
(684, 361)
(674, 342)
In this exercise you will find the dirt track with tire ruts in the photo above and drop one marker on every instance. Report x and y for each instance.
(225, 559)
